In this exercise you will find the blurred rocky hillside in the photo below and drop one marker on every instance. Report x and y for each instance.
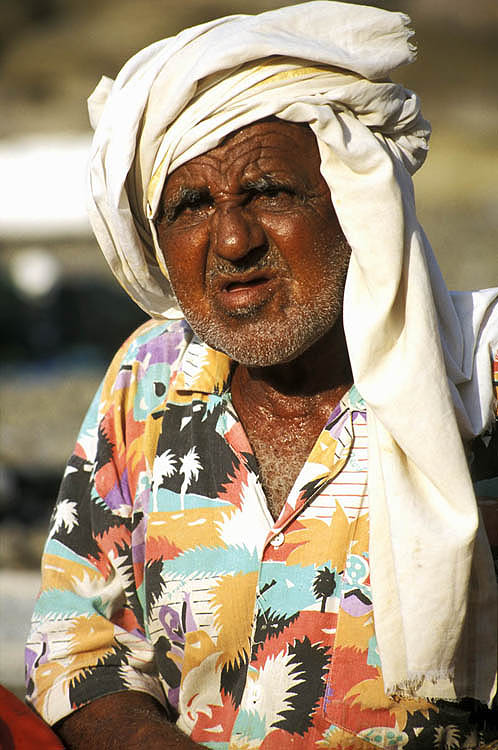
(52, 54)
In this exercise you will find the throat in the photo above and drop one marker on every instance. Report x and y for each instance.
(284, 408)
(279, 464)
(281, 437)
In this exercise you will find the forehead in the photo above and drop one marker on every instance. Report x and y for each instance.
(271, 147)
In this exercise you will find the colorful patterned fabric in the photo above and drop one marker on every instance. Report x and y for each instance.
(164, 572)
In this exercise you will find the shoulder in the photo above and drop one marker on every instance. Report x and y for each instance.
(140, 372)
(162, 340)
(158, 343)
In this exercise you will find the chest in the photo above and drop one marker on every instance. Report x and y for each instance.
(235, 612)
(281, 445)
(280, 449)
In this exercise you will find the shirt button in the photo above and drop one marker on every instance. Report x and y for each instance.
(278, 540)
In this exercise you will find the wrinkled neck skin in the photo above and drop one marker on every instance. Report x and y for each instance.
(284, 408)
(303, 389)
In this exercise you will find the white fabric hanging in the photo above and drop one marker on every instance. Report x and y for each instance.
(420, 357)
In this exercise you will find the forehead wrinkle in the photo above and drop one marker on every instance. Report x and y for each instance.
(259, 150)
(250, 149)
(283, 169)
(222, 172)
(201, 172)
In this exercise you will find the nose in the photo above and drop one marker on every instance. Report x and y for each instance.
(234, 233)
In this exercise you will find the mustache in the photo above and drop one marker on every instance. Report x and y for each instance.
(259, 259)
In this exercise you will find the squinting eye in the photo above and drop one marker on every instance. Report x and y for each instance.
(191, 209)
(194, 203)
(275, 198)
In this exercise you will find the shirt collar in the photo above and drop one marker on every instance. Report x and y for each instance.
(351, 401)
(206, 370)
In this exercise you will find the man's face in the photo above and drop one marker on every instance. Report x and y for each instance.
(253, 247)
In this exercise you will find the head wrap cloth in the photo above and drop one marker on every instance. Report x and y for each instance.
(413, 346)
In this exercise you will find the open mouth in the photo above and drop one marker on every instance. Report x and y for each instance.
(239, 293)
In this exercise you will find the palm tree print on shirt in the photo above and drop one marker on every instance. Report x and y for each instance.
(324, 585)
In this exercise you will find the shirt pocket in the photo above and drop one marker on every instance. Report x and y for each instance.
(354, 699)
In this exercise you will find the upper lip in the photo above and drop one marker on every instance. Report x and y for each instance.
(224, 280)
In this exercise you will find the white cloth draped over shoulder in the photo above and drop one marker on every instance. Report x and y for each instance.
(420, 356)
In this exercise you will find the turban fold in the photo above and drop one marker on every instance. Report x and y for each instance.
(420, 356)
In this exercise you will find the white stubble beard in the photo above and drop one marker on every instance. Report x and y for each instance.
(261, 342)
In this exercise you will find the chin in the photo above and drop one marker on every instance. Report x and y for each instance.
(266, 343)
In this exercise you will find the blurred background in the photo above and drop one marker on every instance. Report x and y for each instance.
(62, 315)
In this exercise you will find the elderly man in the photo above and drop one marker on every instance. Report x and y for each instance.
(267, 534)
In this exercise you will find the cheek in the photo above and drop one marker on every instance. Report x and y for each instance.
(305, 236)
(185, 255)
(288, 232)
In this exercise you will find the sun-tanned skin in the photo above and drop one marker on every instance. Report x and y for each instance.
(122, 721)
(258, 263)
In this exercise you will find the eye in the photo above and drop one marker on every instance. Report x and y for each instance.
(276, 192)
(191, 206)
(194, 201)
(273, 197)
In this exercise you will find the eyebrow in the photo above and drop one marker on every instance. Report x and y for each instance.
(185, 195)
(168, 210)
(266, 182)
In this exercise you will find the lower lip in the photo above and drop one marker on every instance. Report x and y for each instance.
(238, 297)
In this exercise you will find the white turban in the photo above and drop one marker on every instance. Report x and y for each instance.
(420, 357)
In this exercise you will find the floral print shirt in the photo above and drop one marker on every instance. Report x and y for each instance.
(165, 573)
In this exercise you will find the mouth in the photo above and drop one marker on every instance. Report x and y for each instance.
(240, 293)
(240, 286)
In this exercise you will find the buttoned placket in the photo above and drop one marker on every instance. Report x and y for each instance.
(272, 535)
(276, 535)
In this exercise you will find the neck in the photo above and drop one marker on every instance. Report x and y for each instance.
(314, 381)
(283, 409)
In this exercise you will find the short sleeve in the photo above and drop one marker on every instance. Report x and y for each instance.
(87, 637)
